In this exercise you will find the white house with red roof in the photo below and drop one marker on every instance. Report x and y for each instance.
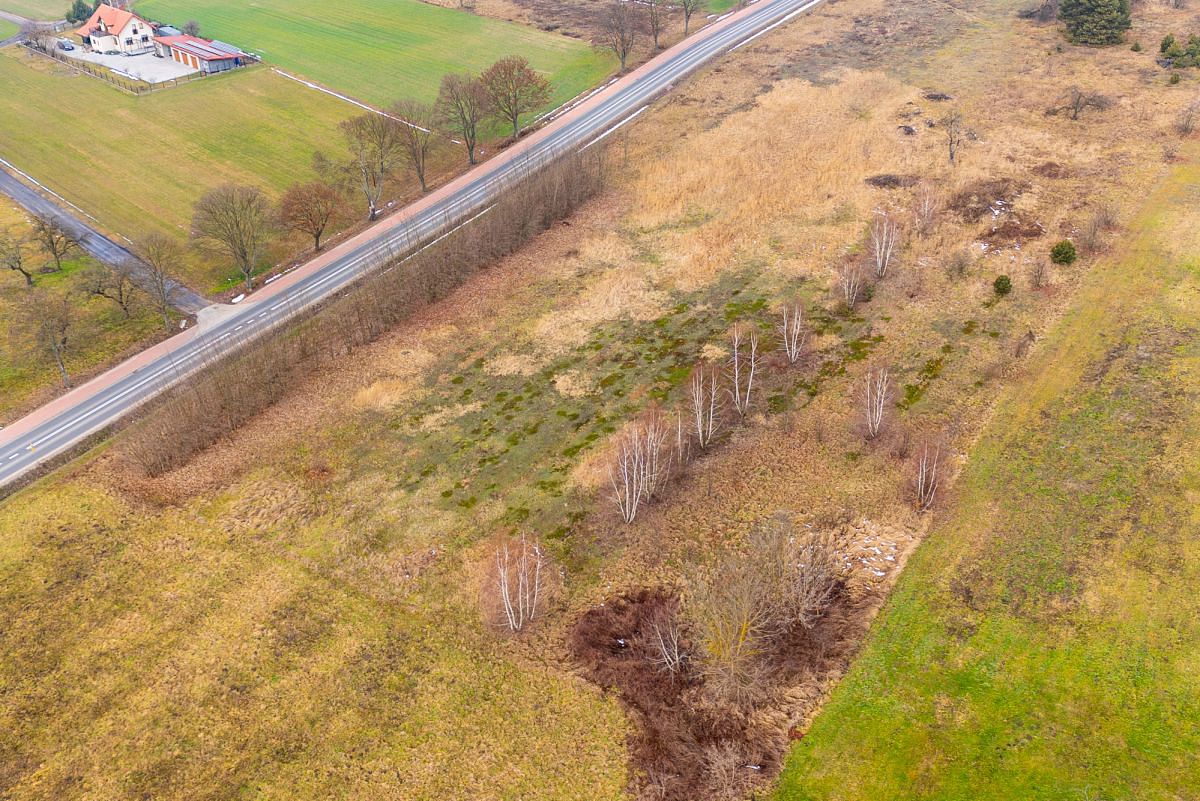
(115, 29)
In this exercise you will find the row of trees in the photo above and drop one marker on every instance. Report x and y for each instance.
(239, 222)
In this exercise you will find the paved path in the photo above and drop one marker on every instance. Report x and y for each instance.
(88, 409)
(95, 243)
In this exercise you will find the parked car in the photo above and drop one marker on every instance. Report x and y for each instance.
(64, 44)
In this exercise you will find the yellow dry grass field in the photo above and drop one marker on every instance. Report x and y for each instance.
(296, 613)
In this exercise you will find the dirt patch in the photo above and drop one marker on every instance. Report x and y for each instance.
(687, 744)
(1012, 230)
(1051, 169)
(992, 196)
(892, 181)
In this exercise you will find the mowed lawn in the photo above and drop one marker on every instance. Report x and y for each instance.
(384, 50)
(138, 164)
(36, 9)
(1044, 642)
(8, 29)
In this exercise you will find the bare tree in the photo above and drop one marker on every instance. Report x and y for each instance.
(876, 392)
(514, 88)
(704, 396)
(799, 571)
(885, 236)
(792, 331)
(463, 104)
(46, 320)
(12, 257)
(689, 7)
(850, 279)
(744, 361)
(1077, 100)
(656, 18)
(39, 35)
(621, 27)
(54, 239)
(417, 138)
(666, 644)
(925, 483)
(925, 210)
(375, 151)
(115, 283)
(163, 257)
(236, 222)
(955, 131)
(641, 464)
(309, 208)
(1185, 122)
(519, 577)
(191, 28)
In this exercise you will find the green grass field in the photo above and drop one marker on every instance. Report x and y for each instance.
(7, 29)
(36, 9)
(383, 50)
(1043, 642)
(166, 149)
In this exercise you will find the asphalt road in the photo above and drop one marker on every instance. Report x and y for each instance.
(86, 410)
(92, 241)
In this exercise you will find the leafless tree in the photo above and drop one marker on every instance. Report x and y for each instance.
(1077, 100)
(236, 222)
(1185, 122)
(925, 210)
(519, 577)
(46, 320)
(850, 279)
(115, 283)
(792, 331)
(641, 464)
(925, 482)
(309, 208)
(799, 570)
(57, 241)
(689, 7)
(668, 652)
(191, 28)
(462, 105)
(1039, 276)
(744, 361)
(12, 257)
(885, 237)
(704, 397)
(417, 137)
(375, 151)
(39, 35)
(876, 392)
(621, 26)
(656, 18)
(955, 132)
(514, 88)
(163, 256)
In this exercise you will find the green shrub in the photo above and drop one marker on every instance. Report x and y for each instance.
(1167, 42)
(1137, 47)
(1174, 79)
(1002, 285)
(1095, 22)
(1064, 252)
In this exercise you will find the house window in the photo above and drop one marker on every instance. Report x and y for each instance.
(128, 41)
(145, 38)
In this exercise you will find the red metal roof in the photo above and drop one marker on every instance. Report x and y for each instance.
(193, 45)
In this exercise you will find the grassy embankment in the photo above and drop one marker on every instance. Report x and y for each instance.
(383, 51)
(1042, 642)
(100, 329)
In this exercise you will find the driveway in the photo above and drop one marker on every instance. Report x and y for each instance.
(146, 67)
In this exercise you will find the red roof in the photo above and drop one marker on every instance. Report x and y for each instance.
(202, 49)
(114, 19)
